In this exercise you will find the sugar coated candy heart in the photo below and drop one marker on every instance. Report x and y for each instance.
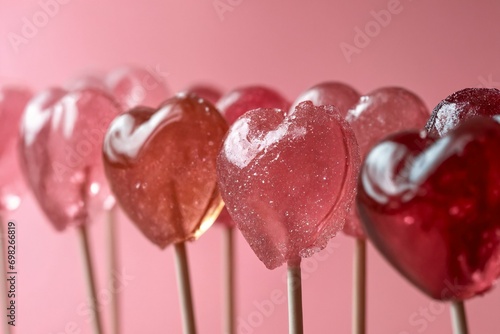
(206, 92)
(61, 139)
(136, 86)
(331, 93)
(288, 179)
(431, 207)
(239, 101)
(463, 105)
(12, 103)
(375, 116)
(161, 167)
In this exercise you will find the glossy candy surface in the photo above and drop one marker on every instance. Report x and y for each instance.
(431, 207)
(161, 166)
(374, 117)
(288, 179)
(61, 139)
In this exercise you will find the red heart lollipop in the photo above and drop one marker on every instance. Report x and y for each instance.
(136, 86)
(288, 179)
(463, 105)
(161, 167)
(12, 103)
(376, 115)
(239, 101)
(61, 139)
(329, 93)
(432, 206)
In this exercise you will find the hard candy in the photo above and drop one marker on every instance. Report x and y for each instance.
(288, 179)
(431, 207)
(161, 167)
(61, 138)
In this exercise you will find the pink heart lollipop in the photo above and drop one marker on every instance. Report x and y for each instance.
(61, 139)
(376, 115)
(136, 86)
(12, 103)
(330, 93)
(233, 105)
(239, 101)
(206, 92)
(288, 179)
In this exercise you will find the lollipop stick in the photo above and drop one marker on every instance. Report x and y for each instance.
(295, 321)
(3, 264)
(228, 253)
(359, 288)
(113, 268)
(459, 318)
(184, 283)
(89, 271)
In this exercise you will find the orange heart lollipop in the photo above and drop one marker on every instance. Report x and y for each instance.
(161, 167)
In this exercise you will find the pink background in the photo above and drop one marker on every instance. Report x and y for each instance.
(430, 47)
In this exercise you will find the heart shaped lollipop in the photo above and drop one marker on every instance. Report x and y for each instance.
(12, 103)
(61, 139)
(233, 105)
(463, 105)
(288, 179)
(161, 167)
(330, 93)
(431, 207)
(375, 116)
